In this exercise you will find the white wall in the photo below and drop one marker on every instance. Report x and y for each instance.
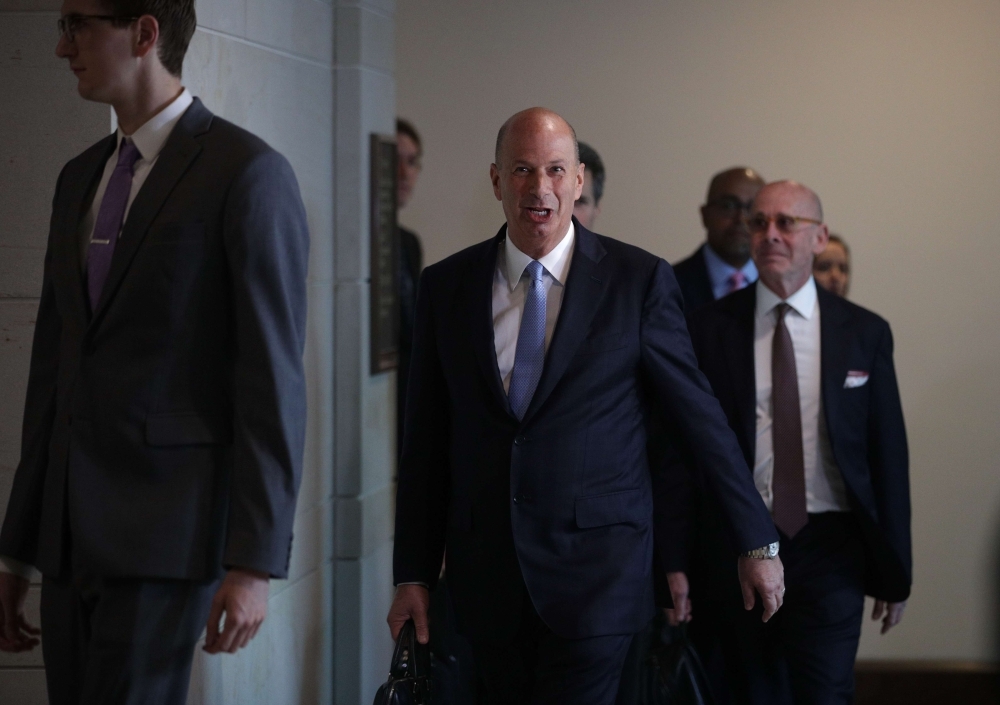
(887, 109)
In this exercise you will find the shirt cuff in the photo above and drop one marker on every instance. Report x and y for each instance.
(16, 567)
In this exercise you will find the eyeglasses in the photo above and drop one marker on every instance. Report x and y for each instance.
(70, 24)
(731, 206)
(786, 224)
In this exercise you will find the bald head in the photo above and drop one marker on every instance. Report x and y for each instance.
(727, 181)
(534, 120)
(792, 191)
(537, 177)
(729, 196)
(788, 233)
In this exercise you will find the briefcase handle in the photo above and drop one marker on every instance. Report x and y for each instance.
(410, 657)
(409, 673)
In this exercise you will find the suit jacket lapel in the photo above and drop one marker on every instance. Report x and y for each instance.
(835, 339)
(585, 287)
(179, 151)
(740, 353)
(481, 303)
(79, 193)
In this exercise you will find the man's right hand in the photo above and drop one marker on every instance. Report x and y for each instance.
(410, 602)
(15, 633)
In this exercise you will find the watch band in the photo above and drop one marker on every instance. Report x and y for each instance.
(769, 551)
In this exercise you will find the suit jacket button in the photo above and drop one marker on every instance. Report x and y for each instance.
(519, 440)
(518, 498)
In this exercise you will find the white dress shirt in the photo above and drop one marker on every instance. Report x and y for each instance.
(510, 289)
(825, 491)
(149, 140)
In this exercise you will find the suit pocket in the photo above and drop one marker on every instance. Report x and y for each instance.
(625, 507)
(177, 233)
(187, 429)
(603, 343)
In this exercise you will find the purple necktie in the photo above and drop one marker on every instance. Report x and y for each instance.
(789, 480)
(109, 222)
(735, 281)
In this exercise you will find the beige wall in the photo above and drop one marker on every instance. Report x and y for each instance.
(888, 109)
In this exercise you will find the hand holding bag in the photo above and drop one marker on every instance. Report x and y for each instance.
(409, 674)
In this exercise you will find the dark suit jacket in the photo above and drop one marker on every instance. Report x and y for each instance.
(167, 428)
(692, 277)
(865, 426)
(411, 262)
(564, 499)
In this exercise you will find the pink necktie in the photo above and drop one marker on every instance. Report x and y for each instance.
(735, 281)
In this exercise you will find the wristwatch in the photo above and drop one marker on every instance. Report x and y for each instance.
(769, 551)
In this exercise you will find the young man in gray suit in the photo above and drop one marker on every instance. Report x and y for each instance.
(165, 415)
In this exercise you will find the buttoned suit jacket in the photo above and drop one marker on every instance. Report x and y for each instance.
(864, 423)
(693, 279)
(163, 431)
(563, 500)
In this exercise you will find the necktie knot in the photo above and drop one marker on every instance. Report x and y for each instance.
(735, 281)
(128, 154)
(781, 310)
(535, 270)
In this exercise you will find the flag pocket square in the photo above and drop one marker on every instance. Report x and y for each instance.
(855, 378)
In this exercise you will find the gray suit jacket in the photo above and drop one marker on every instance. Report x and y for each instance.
(163, 434)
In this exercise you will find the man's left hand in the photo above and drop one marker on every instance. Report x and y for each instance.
(681, 611)
(242, 597)
(765, 576)
(893, 612)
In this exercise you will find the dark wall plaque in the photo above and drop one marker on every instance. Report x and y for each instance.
(385, 256)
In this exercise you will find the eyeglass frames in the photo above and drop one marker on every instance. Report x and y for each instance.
(70, 24)
(786, 224)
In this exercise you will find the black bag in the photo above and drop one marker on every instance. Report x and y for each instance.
(676, 674)
(409, 674)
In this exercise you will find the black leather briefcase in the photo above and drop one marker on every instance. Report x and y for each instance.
(409, 674)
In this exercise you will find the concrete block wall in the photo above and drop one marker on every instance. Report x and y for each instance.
(268, 67)
(43, 124)
(364, 404)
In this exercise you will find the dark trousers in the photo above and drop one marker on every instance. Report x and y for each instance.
(805, 654)
(540, 667)
(121, 641)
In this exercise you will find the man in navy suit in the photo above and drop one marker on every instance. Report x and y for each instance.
(538, 355)
(164, 424)
(807, 382)
(722, 264)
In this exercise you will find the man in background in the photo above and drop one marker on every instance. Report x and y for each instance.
(409, 153)
(588, 205)
(164, 424)
(722, 264)
(807, 382)
(832, 267)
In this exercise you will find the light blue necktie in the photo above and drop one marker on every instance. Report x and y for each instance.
(529, 357)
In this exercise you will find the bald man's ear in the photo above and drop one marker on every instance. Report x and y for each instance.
(580, 169)
(495, 179)
(822, 240)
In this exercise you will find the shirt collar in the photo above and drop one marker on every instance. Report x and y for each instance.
(719, 270)
(556, 263)
(150, 138)
(803, 300)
